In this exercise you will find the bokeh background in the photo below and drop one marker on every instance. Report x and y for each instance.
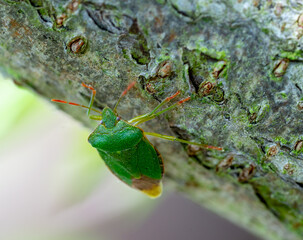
(54, 186)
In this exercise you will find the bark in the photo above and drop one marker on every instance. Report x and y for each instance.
(240, 60)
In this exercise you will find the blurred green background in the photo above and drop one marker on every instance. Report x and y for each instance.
(54, 186)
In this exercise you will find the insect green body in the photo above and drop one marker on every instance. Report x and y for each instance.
(128, 153)
(124, 147)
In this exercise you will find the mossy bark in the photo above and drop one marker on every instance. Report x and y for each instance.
(240, 60)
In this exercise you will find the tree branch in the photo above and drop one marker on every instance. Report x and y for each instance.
(241, 61)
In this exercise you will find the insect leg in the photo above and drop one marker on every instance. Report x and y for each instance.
(130, 86)
(75, 104)
(171, 138)
(95, 117)
(146, 116)
(92, 98)
(166, 100)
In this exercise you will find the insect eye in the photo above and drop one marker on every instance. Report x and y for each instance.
(118, 118)
(101, 122)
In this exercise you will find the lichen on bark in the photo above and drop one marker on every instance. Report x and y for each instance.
(240, 60)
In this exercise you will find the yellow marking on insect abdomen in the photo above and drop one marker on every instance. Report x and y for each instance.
(154, 192)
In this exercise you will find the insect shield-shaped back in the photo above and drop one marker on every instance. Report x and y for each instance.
(128, 154)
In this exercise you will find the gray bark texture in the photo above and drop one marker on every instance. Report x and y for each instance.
(239, 60)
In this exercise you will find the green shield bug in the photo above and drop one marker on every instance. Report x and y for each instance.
(124, 147)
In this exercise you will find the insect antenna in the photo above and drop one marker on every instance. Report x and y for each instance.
(130, 86)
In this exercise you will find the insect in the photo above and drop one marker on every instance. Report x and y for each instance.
(124, 147)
